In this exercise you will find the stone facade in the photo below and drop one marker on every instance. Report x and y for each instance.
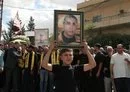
(107, 16)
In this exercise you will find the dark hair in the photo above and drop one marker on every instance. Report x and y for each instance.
(97, 45)
(65, 50)
(69, 16)
(1, 44)
(31, 46)
(40, 47)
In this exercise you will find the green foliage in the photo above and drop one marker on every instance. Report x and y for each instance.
(31, 24)
(7, 34)
(89, 26)
(23, 30)
(20, 39)
(31, 27)
(32, 40)
(111, 39)
(88, 30)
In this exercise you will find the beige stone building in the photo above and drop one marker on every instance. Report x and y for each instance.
(107, 16)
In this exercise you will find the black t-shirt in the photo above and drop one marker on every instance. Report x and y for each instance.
(84, 60)
(107, 66)
(99, 58)
(65, 77)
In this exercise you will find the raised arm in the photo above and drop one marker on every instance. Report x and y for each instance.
(45, 61)
(91, 62)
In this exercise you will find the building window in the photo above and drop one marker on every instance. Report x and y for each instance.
(97, 18)
(121, 11)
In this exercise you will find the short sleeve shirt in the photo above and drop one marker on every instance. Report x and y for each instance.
(121, 67)
(99, 58)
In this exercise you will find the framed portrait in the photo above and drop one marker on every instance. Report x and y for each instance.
(41, 37)
(68, 28)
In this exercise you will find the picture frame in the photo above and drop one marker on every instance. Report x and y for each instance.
(68, 28)
(41, 37)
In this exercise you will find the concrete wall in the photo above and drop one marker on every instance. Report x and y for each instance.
(107, 8)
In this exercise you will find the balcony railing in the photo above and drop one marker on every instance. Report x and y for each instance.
(111, 20)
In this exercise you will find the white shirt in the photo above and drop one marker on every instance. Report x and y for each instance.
(121, 67)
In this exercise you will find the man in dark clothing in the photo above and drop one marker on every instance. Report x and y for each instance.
(30, 71)
(84, 81)
(65, 75)
(107, 75)
(11, 68)
(43, 72)
(97, 72)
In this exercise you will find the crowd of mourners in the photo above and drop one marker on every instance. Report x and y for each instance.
(21, 69)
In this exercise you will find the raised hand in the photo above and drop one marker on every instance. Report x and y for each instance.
(85, 46)
(53, 45)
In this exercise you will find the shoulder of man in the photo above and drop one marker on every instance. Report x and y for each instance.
(115, 54)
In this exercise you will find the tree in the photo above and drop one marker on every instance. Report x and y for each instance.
(31, 27)
(111, 39)
(23, 30)
(31, 24)
(88, 30)
(7, 35)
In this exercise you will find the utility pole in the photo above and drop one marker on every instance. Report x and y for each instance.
(1, 13)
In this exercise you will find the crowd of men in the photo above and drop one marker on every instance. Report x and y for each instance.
(21, 69)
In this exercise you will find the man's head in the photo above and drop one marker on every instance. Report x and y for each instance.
(24, 46)
(31, 48)
(11, 44)
(16, 45)
(97, 47)
(66, 56)
(120, 48)
(40, 49)
(1, 46)
(109, 50)
(70, 25)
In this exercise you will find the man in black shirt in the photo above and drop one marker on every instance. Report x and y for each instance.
(11, 68)
(65, 75)
(107, 77)
(85, 78)
(30, 70)
(97, 72)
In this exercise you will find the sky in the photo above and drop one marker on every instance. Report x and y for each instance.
(42, 11)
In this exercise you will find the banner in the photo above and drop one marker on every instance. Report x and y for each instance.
(41, 37)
